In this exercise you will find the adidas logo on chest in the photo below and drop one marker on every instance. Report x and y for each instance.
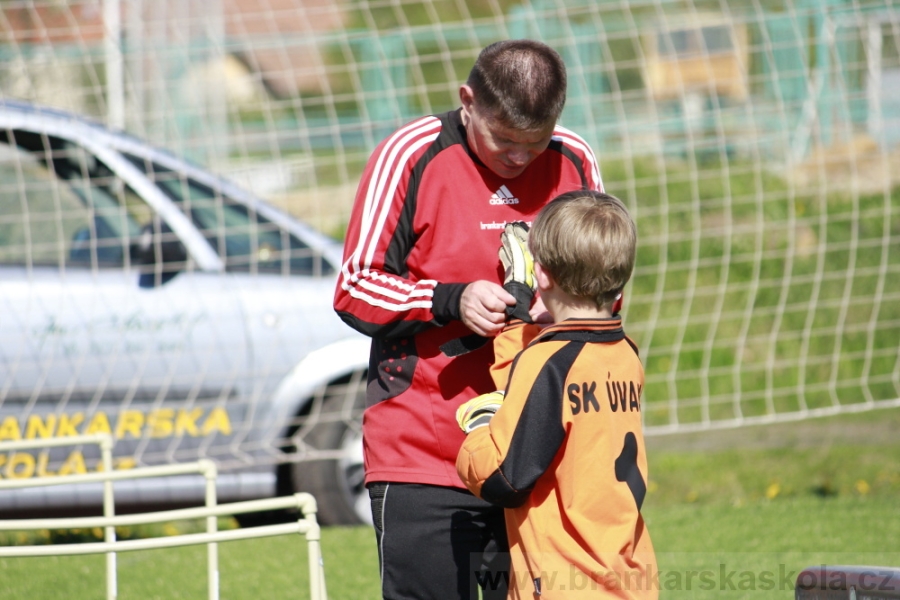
(503, 196)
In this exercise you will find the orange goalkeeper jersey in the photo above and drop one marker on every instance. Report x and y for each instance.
(565, 455)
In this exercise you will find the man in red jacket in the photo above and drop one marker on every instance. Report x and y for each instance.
(421, 270)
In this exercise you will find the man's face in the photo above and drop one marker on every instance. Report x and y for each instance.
(505, 151)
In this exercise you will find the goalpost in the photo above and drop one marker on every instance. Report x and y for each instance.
(757, 144)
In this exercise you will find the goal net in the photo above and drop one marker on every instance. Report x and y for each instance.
(757, 144)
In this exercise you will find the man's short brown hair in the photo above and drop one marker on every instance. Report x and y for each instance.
(521, 83)
(587, 242)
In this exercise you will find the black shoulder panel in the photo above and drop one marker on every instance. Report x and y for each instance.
(404, 236)
(538, 435)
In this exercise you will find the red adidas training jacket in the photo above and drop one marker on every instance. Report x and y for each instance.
(426, 222)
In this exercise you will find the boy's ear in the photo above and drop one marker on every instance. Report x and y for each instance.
(543, 278)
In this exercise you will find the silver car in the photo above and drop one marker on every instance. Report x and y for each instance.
(142, 296)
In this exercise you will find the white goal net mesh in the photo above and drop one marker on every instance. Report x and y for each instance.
(757, 143)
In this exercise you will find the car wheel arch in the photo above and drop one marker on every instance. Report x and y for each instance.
(329, 381)
(317, 370)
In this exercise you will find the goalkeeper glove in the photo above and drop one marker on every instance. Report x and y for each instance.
(518, 269)
(478, 411)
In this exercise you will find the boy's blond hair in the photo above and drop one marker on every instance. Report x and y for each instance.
(587, 242)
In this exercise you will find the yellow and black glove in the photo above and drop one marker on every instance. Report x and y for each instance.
(478, 411)
(518, 269)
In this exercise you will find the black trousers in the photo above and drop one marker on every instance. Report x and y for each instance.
(438, 543)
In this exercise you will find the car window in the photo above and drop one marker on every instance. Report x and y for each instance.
(59, 206)
(246, 241)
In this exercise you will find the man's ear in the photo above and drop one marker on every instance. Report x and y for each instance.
(466, 97)
(543, 278)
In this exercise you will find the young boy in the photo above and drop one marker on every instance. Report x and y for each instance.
(564, 453)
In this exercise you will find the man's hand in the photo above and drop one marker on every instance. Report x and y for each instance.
(482, 307)
(518, 266)
(478, 411)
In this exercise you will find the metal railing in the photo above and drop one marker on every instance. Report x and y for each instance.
(304, 503)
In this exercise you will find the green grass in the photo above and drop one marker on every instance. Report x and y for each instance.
(758, 549)
(733, 514)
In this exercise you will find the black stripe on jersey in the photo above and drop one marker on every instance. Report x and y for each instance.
(587, 335)
(567, 152)
(404, 237)
(538, 435)
(584, 335)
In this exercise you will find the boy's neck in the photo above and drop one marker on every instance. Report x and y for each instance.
(563, 306)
